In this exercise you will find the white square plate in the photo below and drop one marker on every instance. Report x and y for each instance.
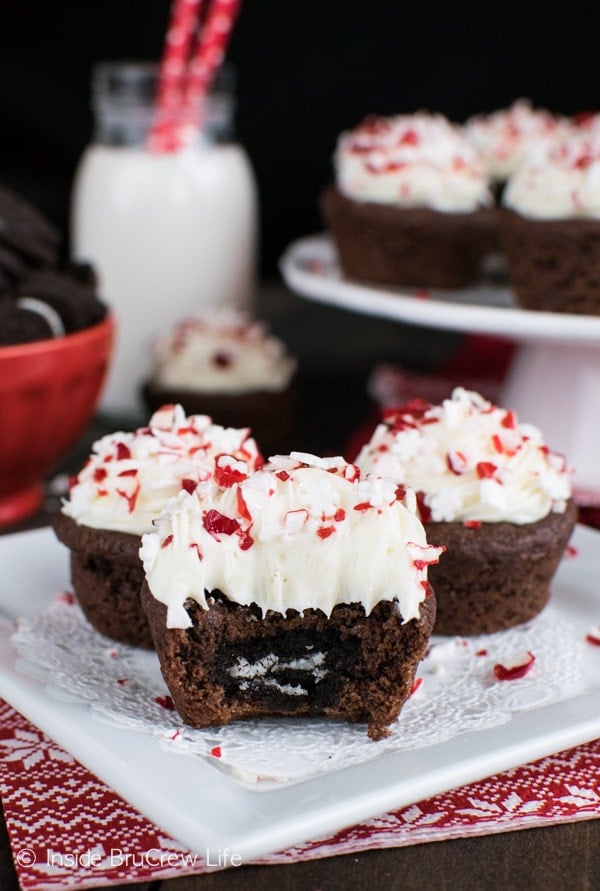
(206, 809)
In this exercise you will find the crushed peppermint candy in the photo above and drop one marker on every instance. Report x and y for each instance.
(130, 476)
(517, 668)
(411, 160)
(265, 538)
(468, 461)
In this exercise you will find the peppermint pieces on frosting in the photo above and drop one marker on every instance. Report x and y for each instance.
(468, 461)
(302, 532)
(419, 160)
(130, 476)
(505, 137)
(559, 180)
(226, 352)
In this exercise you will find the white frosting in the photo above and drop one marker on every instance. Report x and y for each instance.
(222, 353)
(505, 137)
(303, 532)
(130, 476)
(419, 160)
(469, 460)
(559, 181)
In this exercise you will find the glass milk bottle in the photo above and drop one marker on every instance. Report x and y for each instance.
(169, 235)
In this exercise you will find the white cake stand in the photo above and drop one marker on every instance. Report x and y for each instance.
(554, 378)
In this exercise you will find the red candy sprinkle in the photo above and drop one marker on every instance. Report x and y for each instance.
(165, 702)
(194, 546)
(131, 472)
(167, 541)
(364, 505)
(497, 443)
(481, 653)
(325, 531)
(571, 551)
(485, 470)
(216, 751)
(222, 360)
(241, 505)
(339, 515)
(189, 486)
(456, 462)
(416, 684)
(424, 509)
(99, 474)
(130, 498)
(226, 475)
(516, 670)
(217, 523)
(593, 636)
(283, 475)
(122, 451)
(472, 524)
(509, 420)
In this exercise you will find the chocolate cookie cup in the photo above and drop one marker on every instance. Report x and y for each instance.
(233, 663)
(107, 576)
(407, 247)
(494, 576)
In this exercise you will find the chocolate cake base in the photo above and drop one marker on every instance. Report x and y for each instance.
(107, 575)
(233, 663)
(498, 575)
(270, 415)
(553, 265)
(407, 247)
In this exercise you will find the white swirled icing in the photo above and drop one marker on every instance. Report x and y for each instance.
(419, 160)
(469, 460)
(558, 181)
(223, 353)
(130, 476)
(505, 137)
(303, 532)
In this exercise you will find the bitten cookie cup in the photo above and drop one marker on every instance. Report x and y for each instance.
(553, 265)
(408, 247)
(495, 576)
(107, 576)
(233, 663)
(298, 590)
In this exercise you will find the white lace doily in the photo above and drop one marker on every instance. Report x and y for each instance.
(458, 692)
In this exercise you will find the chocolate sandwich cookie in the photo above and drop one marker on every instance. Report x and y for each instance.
(25, 230)
(12, 267)
(76, 303)
(22, 325)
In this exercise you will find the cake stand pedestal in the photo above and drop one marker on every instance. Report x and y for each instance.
(554, 377)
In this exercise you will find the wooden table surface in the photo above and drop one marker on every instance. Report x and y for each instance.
(337, 351)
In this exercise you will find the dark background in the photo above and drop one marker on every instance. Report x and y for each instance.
(306, 70)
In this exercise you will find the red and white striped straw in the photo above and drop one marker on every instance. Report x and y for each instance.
(185, 73)
(209, 55)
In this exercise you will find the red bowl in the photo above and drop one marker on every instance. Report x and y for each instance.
(49, 390)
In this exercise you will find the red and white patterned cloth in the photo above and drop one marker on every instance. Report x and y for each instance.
(69, 830)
